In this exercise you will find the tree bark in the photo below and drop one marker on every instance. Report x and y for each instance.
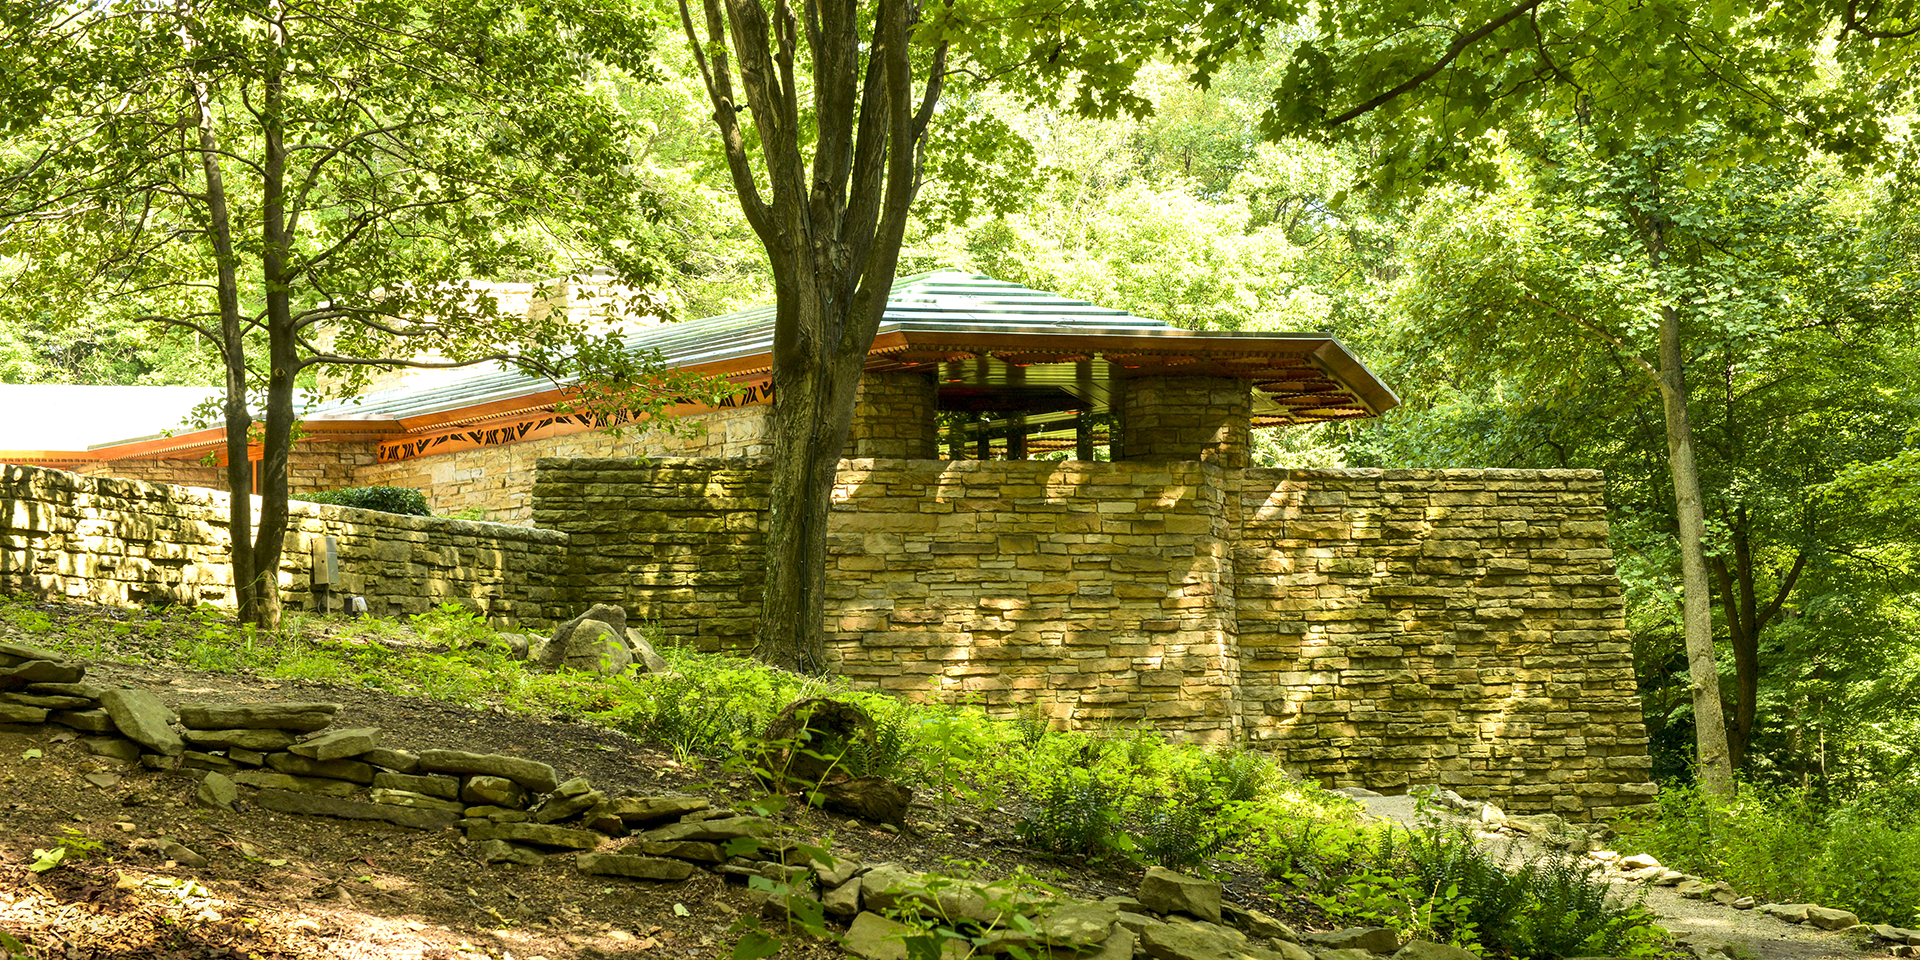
(1714, 765)
(238, 418)
(282, 345)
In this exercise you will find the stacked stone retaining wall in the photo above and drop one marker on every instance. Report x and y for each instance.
(1371, 628)
(120, 541)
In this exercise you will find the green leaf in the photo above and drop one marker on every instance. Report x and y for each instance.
(755, 944)
(44, 860)
(33, 754)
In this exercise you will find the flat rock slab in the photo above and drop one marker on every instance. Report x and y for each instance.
(48, 701)
(632, 867)
(86, 721)
(532, 774)
(500, 851)
(1373, 939)
(337, 744)
(21, 713)
(407, 798)
(493, 792)
(18, 652)
(267, 780)
(636, 811)
(90, 691)
(1186, 941)
(298, 717)
(442, 788)
(143, 719)
(113, 748)
(684, 850)
(40, 671)
(299, 766)
(307, 804)
(713, 831)
(543, 834)
(244, 738)
(1165, 891)
(217, 791)
(399, 761)
(558, 808)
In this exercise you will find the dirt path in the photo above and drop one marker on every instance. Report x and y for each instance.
(1701, 921)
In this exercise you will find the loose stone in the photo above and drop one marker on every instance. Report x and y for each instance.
(335, 744)
(144, 719)
(299, 766)
(262, 740)
(637, 868)
(532, 774)
(298, 717)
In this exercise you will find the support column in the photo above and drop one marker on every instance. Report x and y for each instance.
(1188, 418)
(893, 418)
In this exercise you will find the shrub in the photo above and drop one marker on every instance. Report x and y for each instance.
(1078, 814)
(400, 500)
(1782, 845)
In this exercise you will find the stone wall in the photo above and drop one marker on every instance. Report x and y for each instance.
(122, 541)
(498, 481)
(1372, 628)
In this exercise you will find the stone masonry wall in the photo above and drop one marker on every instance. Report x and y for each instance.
(122, 541)
(497, 480)
(1372, 628)
(1459, 626)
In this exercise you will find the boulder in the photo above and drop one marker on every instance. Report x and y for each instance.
(21, 713)
(643, 811)
(142, 718)
(532, 774)
(683, 850)
(843, 900)
(418, 801)
(611, 616)
(874, 937)
(1827, 918)
(645, 655)
(869, 798)
(86, 721)
(297, 717)
(633, 867)
(1789, 912)
(714, 831)
(1165, 891)
(594, 647)
(335, 744)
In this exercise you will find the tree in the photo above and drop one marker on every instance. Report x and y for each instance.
(257, 172)
(1551, 308)
(837, 80)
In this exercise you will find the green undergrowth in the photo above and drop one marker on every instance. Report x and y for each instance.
(1084, 797)
(1783, 845)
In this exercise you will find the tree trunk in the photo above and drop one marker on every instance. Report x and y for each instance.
(282, 356)
(812, 415)
(1715, 768)
(238, 419)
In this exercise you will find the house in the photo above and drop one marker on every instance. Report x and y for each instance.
(963, 367)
